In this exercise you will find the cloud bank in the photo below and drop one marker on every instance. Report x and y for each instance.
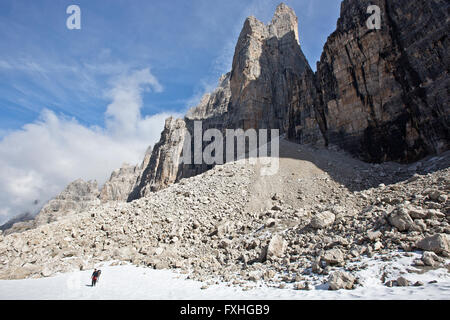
(39, 160)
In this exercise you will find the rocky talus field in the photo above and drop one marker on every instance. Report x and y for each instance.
(361, 197)
(309, 224)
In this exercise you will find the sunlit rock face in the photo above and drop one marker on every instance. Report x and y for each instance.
(163, 165)
(271, 81)
(381, 95)
(120, 184)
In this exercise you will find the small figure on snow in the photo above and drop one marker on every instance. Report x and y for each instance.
(95, 277)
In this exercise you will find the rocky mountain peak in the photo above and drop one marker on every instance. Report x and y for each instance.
(284, 22)
(124, 169)
(268, 63)
(215, 103)
(381, 95)
(77, 196)
(120, 184)
(162, 168)
(80, 190)
(147, 156)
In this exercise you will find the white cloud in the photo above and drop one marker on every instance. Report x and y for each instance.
(123, 122)
(39, 160)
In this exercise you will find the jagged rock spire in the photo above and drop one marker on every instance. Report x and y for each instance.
(284, 21)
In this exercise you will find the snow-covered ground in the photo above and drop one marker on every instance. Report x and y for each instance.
(130, 282)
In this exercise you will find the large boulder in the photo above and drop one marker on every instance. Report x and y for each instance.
(276, 247)
(438, 243)
(323, 220)
(418, 213)
(333, 257)
(340, 280)
(431, 259)
(400, 219)
(403, 282)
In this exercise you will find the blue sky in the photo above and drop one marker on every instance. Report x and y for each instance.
(78, 103)
(187, 45)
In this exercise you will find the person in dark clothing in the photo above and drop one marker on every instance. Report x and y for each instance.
(94, 277)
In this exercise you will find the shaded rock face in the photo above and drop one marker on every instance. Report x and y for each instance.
(383, 93)
(147, 157)
(78, 196)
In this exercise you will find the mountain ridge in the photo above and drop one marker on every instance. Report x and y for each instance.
(318, 221)
(271, 85)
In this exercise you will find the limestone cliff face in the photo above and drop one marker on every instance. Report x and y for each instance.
(383, 93)
(123, 181)
(162, 168)
(76, 197)
(379, 94)
(147, 157)
(270, 85)
(213, 104)
(120, 184)
(266, 84)
(268, 75)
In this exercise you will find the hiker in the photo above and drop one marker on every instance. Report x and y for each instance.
(94, 277)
